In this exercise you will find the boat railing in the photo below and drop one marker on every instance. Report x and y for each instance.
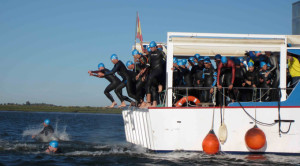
(258, 94)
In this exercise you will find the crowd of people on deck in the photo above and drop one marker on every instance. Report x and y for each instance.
(220, 79)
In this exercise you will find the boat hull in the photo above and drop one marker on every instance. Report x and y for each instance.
(183, 129)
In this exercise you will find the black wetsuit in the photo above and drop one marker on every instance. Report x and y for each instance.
(210, 80)
(187, 76)
(197, 71)
(274, 69)
(114, 82)
(265, 93)
(47, 130)
(140, 84)
(120, 68)
(250, 76)
(239, 80)
(226, 77)
(156, 66)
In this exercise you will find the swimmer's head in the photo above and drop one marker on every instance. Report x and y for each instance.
(101, 66)
(53, 144)
(224, 59)
(114, 58)
(46, 122)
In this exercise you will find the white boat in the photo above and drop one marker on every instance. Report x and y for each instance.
(169, 128)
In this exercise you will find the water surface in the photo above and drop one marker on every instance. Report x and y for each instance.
(98, 139)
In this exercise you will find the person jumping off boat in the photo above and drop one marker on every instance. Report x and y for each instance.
(120, 68)
(114, 84)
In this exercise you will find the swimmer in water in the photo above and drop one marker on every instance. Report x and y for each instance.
(47, 131)
(53, 148)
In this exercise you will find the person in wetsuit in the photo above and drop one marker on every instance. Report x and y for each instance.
(47, 130)
(250, 81)
(141, 76)
(197, 72)
(239, 79)
(115, 84)
(274, 71)
(156, 71)
(225, 78)
(53, 148)
(264, 81)
(120, 68)
(210, 79)
(218, 60)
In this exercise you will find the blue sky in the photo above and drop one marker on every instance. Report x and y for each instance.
(47, 47)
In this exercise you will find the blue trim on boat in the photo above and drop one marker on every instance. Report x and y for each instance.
(292, 100)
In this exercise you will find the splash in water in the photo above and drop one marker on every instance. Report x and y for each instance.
(59, 134)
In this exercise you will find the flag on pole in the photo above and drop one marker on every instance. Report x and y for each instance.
(139, 29)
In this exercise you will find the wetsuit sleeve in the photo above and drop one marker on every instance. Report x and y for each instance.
(215, 79)
(95, 71)
(219, 72)
(114, 70)
(233, 72)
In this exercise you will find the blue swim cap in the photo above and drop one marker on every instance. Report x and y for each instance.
(149, 49)
(197, 56)
(128, 63)
(192, 59)
(262, 63)
(180, 63)
(206, 57)
(53, 144)
(207, 61)
(184, 61)
(152, 44)
(250, 64)
(224, 59)
(218, 56)
(100, 65)
(175, 60)
(256, 52)
(135, 52)
(241, 59)
(159, 48)
(47, 121)
(200, 58)
(113, 56)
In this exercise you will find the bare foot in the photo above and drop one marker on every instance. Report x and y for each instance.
(154, 104)
(122, 106)
(132, 104)
(113, 104)
(147, 105)
(142, 105)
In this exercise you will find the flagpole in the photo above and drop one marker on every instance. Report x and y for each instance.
(135, 29)
(135, 37)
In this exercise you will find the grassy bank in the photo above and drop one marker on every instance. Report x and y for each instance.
(41, 108)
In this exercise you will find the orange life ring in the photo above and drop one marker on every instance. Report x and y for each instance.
(183, 100)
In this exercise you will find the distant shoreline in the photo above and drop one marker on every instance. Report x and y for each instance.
(71, 109)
